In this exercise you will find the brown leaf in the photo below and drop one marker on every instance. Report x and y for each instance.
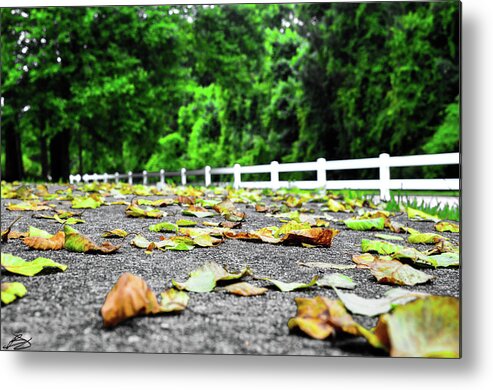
(185, 200)
(44, 244)
(245, 289)
(129, 297)
(230, 225)
(313, 236)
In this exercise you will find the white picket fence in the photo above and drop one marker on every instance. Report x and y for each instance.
(384, 184)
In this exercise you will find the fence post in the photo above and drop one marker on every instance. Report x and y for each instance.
(274, 175)
(183, 176)
(130, 180)
(236, 176)
(161, 177)
(207, 175)
(321, 172)
(117, 177)
(144, 177)
(105, 177)
(384, 176)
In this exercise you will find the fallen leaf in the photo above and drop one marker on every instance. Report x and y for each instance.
(313, 236)
(155, 203)
(448, 259)
(227, 209)
(18, 265)
(447, 227)
(86, 202)
(427, 327)
(115, 233)
(10, 291)
(418, 215)
(365, 224)
(397, 251)
(321, 317)
(164, 227)
(374, 306)
(425, 238)
(185, 223)
(286, 287)
(394, 272)
(245, 289)
(397, 227)
(135, 211)
(77, 242)
(185, 200)
(198, 211)
(53, 243)
(204, 278)
(206, 240)
(230, 224)
(140, 241)
(173, 300)
(27, 206)
(129, 297)
(336, 280)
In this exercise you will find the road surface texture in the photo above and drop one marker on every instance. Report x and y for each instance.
(61, 311)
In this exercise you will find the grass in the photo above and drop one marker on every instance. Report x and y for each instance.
(451, 213)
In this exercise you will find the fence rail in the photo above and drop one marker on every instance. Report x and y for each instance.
(384, 184)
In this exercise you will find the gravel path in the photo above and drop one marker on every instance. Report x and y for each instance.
(61, 310)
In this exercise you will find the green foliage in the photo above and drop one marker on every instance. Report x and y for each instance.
(111, 89)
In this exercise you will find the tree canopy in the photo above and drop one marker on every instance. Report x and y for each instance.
(105, 89)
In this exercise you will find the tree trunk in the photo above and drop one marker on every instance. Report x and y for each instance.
(60, 156)
(44, 157)
(14, 168)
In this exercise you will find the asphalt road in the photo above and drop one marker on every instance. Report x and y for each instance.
(61, 310)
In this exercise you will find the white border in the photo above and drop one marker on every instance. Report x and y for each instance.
(474, 371)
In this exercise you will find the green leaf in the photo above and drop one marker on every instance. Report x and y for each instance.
(10, 291)
(185, 222)
(336, 280)
(35, 232)
(418, 215)
(448, 259)
(77, 242)
(365, 224)
(173, 300)
(427, 327)
(199, 281)
(204, 278)
(115, 233)
(447, 227)
(164, 227)
(285, 287)
(18, 265)
(86, 202)
(137, 212)
(425, 238)
(397, 251)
